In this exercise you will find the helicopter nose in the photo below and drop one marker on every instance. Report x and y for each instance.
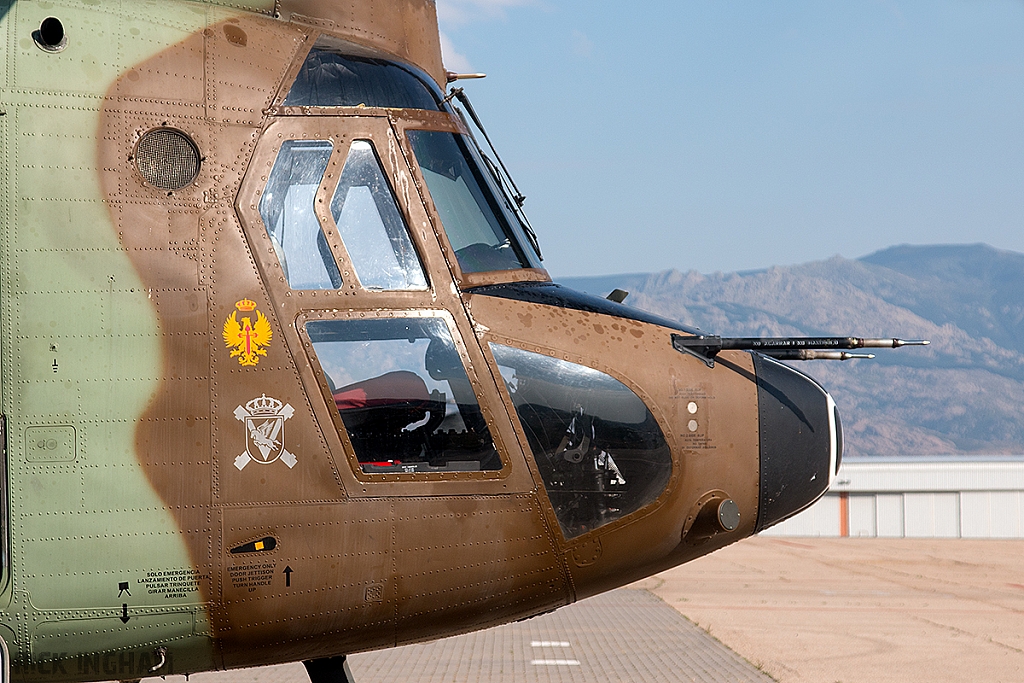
(801, 440)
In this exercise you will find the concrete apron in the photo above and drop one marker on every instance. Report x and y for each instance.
(851, 609)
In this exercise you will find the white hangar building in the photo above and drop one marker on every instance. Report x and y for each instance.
(918, 497)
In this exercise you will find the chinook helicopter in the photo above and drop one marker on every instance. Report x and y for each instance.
(284, 378)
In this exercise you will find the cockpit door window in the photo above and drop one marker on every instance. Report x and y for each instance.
(477, 228)
(403, 395)
(288, 211)
(396, 331)
(371, 225)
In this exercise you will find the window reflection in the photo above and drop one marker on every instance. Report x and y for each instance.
(403, 395)
(372, 227)
(477, 229)
(330, 79)
(599, 449)
(287, 209)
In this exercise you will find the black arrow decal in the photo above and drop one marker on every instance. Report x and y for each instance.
(124, 613)
(288, 576)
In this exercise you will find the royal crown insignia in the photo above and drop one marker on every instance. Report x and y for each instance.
(247, 339)
(264, 406)
(264, 419)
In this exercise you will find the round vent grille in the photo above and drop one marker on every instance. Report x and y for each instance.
(167, 158)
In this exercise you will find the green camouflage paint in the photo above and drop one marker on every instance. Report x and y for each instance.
(81, 359)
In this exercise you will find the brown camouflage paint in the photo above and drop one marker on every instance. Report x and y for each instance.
(372, 560)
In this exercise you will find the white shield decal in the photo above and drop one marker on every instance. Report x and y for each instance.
(264, 420)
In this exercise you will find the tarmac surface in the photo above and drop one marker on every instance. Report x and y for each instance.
(785, 609)
(625, 636)
(851, 609)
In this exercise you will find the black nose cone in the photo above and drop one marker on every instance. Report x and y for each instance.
(800, 440)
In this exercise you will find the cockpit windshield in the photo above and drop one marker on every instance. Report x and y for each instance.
(480, 232)
(483, 222)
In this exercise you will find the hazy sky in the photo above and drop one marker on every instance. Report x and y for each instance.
(728, 135)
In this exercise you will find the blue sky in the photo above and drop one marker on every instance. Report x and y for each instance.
(728, 135)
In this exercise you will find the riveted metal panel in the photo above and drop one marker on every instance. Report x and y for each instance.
(84, 353)
(467, 563)
(340, 580)
(707, 457)
(406, 29)
(88, 64)
(6, 27)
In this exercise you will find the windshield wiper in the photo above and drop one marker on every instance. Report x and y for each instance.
(503, 178)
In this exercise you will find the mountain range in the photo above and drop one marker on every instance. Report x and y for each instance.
(963, 394)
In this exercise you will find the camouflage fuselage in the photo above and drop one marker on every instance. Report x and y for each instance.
(136, 518)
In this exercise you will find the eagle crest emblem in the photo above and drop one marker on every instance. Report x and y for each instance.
(264, 419)
(247, 339)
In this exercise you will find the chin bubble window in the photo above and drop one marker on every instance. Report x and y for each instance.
(599, 449)
(403, 395)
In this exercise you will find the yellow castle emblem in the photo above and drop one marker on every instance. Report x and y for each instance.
(247, 340)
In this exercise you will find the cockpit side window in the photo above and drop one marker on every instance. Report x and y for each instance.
(599, 449)
(371, 225)
(477, 229)
(329, 78)
(287, 209)
(403, 395)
